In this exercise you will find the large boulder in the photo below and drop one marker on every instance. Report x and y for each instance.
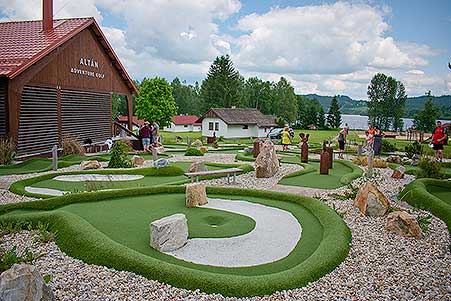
(24, 282)
(394, 159)
(137, 161)
(402, 223)
(169, 233)
(196, 195)
(267, 163)
(92, 164)
(197, 166)
(371, 201)
(398, 173)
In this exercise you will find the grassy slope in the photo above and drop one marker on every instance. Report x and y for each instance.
(80, 239)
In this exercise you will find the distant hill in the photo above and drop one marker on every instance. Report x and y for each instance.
(359, 107)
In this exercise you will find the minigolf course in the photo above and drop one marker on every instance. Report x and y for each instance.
(111, 228)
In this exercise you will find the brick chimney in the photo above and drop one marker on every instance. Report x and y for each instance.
(47, 15)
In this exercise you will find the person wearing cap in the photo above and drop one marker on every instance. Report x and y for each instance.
(439, 136)
(342, 141)
(145, 134)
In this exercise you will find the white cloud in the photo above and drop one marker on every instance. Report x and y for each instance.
(416, 72)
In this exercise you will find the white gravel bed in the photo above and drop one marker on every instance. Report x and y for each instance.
(46, 191)
(275, 235)
(208, 157)
(97, 177)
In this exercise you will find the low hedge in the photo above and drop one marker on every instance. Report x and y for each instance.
(417, 194)
(81, 240)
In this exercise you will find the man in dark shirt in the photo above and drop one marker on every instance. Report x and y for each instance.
(145, 134)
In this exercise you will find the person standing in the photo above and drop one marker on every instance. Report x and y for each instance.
(439, 136)
(286, 139)
(377, 145)
(342, 142)
(145, 134)
(155, 133)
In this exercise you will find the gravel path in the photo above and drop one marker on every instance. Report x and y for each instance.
(380, 265)
(275, 235)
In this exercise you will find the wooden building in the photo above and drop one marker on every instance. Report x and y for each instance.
(56, 79)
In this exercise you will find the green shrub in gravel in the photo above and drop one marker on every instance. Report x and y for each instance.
(119, 156)
(192, 151)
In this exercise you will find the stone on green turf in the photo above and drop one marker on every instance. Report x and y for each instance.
(169, 233)
(267, 162)
(137, 161)
(196, 195)
(197, 166)
(92, 164)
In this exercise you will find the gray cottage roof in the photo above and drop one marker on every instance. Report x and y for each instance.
(244, 116)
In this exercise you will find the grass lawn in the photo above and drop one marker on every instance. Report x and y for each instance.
(315, 180)
(112, 229)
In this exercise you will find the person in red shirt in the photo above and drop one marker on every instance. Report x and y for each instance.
(439, 136)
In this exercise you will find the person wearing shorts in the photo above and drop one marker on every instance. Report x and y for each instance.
(439, 136)
(342, 141)
(145, 134)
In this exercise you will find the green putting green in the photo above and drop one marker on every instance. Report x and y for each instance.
(310, 176)
(171, 175)
(112, 229)
(443, 193)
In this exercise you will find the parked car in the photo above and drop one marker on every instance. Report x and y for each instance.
(276, 133)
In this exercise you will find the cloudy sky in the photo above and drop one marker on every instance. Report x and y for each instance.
(323, 47)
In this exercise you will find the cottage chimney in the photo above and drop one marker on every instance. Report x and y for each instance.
(47, 15)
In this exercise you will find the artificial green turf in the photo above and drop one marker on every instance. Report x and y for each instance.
(305, 264)
(443, 193)
(28, 166)
(315, 180)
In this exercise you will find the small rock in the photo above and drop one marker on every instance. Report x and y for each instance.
(403, 223)
(137, 161)
(398, 173)
(196, 195)
(197, 143)
(161, 163)
(371, 201)
(169, 233)
(24, 282)
(92, 164)
(203, 149)
(394, 159)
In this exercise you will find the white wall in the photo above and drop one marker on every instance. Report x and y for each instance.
(182, 128)
(231, 131)
(222, 131)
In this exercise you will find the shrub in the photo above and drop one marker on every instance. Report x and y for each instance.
(119, 156)
(221, 139)
(388, 147)
(192, 151)
(360, 160)
(7, 151)
(9, 257)
(414, 149)
(429, 169)
(72, 146)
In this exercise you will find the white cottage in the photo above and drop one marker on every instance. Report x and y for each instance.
(186, 123)
(236, 123)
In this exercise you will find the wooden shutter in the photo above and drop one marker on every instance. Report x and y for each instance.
(38, 125)
(2, 107)
(86, 115)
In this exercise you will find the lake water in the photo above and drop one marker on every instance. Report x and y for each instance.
(360, 122)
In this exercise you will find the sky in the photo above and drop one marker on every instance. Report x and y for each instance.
(322, 47)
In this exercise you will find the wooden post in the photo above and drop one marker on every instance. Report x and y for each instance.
(324, 163)
(154, 154)
(370, 163)
(188, 141)
(330, 151)
(55, 158)
(304, 152)
(359, 149)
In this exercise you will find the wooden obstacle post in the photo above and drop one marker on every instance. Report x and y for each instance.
(154, 154)
(324, 161)
(359, 149)
(304, 147)
(256, 149)
(55, 158)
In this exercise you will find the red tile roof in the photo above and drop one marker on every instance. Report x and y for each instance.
(24, 43)
(189, 119)
(135, 120)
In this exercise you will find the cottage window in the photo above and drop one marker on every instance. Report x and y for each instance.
(210, 126)
(216, 126)
(245, 127)
(185, 125)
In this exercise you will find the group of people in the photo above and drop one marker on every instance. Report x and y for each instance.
(150, 135)
(373, 140)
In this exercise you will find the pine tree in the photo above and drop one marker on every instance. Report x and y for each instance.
(334, 114)
(222, 86)
(425, 120)
(321, 118)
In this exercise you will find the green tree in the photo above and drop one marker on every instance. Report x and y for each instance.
(321, 118)
(387, 97)
(334, 114)
(155, 101)
(257, 94)
(425, 120)
(284, 101)
(222, 86)
(186, 97)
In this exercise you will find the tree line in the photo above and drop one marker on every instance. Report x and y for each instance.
(224, 87)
